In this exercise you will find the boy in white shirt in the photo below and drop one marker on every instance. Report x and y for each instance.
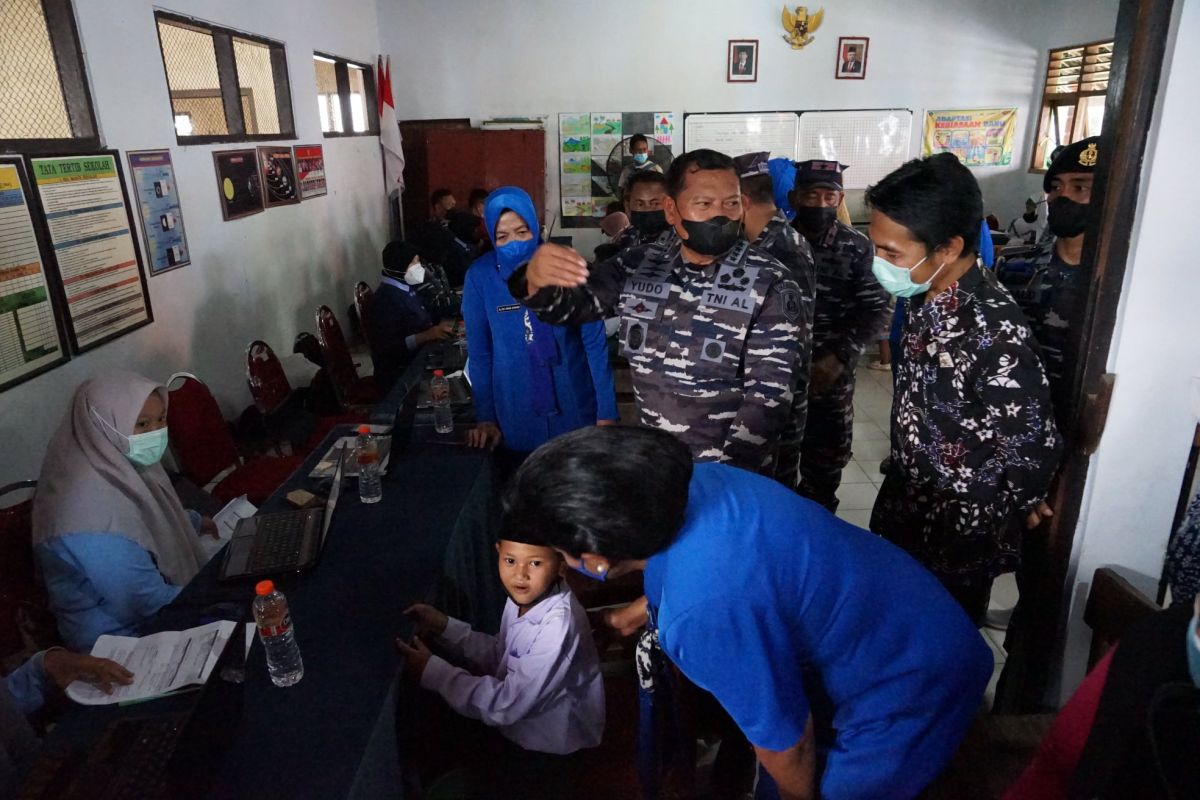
(537, 683)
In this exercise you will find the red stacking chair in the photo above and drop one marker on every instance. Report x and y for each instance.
(362, 302)
(26, 624)
(350, 389)
(271, 392)
(206, 452)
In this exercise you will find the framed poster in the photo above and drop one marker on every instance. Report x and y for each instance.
(90, 227)
(31, 331)
(158, 201)
(310, 170)
(851, 58)
(742, 61)
(238, 183)
(277, 173)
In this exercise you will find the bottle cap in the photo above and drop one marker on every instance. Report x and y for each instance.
(264, 587)
(439, 373)
(364, 429)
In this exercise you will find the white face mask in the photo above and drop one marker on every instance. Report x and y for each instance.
(415, 274)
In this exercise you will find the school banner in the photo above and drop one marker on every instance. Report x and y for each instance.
(980, 137)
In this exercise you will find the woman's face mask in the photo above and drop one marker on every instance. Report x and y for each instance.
(142, 449)
(514, 254)
(415, 274)
(898, 280)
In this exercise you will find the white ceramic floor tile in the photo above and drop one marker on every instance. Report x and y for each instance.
(872, 451)
(853, 473)
(859, 517)
(1004, 591)
(857, 496)
(868, 431)
(871, 468)
(995, 642)
(989, 694)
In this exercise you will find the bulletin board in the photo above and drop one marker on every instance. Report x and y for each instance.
(872, 141)
(585, 141)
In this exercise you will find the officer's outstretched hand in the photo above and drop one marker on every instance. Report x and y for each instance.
(555, 265)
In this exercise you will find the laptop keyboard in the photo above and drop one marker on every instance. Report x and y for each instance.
(277, 543)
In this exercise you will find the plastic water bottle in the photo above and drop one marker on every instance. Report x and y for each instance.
(439, 392)
(275, 632)
(370, 488)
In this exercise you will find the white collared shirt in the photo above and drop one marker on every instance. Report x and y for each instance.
(540, 683)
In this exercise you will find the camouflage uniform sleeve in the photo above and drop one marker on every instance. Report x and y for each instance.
(597, 299)
(769, 358)
(869, 316)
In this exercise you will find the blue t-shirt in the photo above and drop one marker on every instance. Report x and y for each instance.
(765, 595)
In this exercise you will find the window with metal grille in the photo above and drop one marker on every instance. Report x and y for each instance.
(225, 86)
(345, 97)
(1072, 98)
(45, 106)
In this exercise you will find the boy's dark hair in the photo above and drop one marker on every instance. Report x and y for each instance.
(936, 198)
(638, 138)
(760, 189)
(649, 176)
(614, 207)
(695, 161)
(437, 196)
(617, 492)
(477, 196)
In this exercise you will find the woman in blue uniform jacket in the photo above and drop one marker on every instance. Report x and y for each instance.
(531, 381)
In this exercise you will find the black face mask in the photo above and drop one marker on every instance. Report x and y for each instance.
(649, 223)
(816, 218)
(1066, 217)
(712, 237)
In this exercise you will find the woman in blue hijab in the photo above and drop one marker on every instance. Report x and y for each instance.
(532, 381)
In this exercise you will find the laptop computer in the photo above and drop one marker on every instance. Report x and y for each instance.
(286, 541)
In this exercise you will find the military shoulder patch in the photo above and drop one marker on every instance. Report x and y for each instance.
(789, 297)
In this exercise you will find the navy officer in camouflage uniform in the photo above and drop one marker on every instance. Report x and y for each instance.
(1048, 281)
(644, 197)
(769, 230)
(710, 325)
(851, 312)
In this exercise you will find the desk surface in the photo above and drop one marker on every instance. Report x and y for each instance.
(311, 740)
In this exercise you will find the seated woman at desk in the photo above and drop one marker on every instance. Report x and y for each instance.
(114, 543)
(398, 319)
(531, 381)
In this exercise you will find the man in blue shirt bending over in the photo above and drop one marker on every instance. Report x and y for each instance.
(847, 665)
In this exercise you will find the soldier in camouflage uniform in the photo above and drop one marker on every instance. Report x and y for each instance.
(770, 231)
(851, 312)
(1047, 279)
(709, 324)
(644, 206)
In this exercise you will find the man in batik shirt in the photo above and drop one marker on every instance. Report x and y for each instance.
(974, 444)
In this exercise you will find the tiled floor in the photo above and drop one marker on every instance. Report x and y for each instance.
(861, 480)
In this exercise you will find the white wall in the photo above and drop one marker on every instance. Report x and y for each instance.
(257, 277)
(1136, 474)
(543, 57)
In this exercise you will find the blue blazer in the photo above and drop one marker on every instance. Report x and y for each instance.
(499, 365)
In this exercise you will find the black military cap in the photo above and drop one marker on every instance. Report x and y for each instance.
(816, 173)
(752, 164)
(1081, 156)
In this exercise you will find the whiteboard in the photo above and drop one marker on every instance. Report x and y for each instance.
(736, 134)
(872, 143)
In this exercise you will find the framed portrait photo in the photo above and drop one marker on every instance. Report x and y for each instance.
(851, 58)
(742, 61)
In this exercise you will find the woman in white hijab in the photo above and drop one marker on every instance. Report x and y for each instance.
(114, 543)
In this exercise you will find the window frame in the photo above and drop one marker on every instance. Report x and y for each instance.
(1051, 102)
(76, 91)
(341, 67)
(229, 87)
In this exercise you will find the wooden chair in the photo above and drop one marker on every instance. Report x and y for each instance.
(351, 390)
(363, 295)
(26, 624)
(1113, 605)
(205, 449)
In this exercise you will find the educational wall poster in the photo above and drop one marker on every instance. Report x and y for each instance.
(594, 152)
(310, 170)
(980, 137)
(158, 202)
(91, 233)
(30, 338)
(238, 183)
(278, 174)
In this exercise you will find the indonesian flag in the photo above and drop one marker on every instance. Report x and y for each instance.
(389, 129)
